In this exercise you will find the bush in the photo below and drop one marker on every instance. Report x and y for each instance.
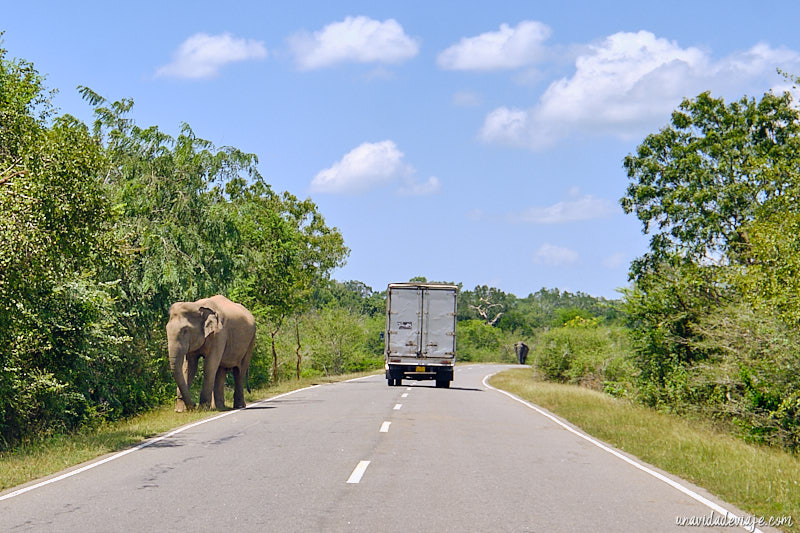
(587, 355)
(750, 379)
(479, 342)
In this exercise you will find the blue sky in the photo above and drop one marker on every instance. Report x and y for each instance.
(475, 142)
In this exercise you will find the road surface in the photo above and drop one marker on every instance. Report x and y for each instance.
(362, 456)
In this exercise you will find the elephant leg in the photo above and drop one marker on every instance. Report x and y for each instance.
(189, 372)
(209, 375)
(238, 388)
(219, 388)
(240, 375)
(210, 368)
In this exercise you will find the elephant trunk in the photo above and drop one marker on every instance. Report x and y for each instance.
(177, 354)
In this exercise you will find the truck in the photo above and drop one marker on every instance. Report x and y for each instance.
(420, 336)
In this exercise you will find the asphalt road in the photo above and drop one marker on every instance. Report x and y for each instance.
(362, 456)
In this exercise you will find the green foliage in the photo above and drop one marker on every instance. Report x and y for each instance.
(585, 354)
(770, 282)
(339, 342)
(478, 341)
(714, 308)
(750, 379)
(713, 168)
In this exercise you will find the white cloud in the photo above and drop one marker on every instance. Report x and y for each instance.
(576, 209)
(202, 55)
(372, 165)
(626, 85)
(366, 166)
(506, 48)
(355, 39)
(556, 256)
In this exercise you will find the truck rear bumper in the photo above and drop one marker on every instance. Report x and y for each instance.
(419, 372)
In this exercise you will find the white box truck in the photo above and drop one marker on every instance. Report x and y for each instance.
(420, 337)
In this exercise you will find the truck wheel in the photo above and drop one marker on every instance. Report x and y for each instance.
(442, 384)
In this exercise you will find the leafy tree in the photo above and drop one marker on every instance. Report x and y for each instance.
(713, 168)
(287, 250)
(182, 242)
(484, 303)
(771, 281)
(57, 326)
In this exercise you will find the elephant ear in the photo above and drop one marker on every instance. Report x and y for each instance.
(211, 323)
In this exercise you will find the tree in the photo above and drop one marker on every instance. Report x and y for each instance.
(286, 250)
(484, 302)
(713, 168)
(57, 325)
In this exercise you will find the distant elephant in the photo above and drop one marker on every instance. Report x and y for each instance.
(521, 350)
(220, 331)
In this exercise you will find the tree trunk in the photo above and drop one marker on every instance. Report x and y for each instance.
(297, 350)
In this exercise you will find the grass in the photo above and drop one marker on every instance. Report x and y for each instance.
(761, 481)
(47, 456)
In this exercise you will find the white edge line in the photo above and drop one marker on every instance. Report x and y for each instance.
(358, 472)
(142, 445)
(674, 484)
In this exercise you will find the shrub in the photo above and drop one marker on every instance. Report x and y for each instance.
(587, 355)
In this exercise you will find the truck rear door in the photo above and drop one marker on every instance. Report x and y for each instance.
(404, 327)
(439, 322)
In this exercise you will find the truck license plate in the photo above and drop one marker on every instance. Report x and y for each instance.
(420, 369)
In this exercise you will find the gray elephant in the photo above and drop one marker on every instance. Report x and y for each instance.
(220, 331)
(521, 349)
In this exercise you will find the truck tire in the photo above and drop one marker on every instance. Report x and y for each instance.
(442, 383)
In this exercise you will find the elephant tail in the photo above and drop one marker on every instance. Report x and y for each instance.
(247, 380)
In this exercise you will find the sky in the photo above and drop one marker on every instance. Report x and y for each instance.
(472, 142)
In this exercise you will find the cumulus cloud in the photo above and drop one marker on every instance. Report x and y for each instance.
(576, 209)
(507, 48)
(626, 85)
(355, 39)
(556, 256)
(369, 166)
(202, 55)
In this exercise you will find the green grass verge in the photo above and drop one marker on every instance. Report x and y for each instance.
(761, 481)
(49, 455)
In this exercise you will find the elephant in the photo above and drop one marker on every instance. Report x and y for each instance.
(521, 349)
(220, 331)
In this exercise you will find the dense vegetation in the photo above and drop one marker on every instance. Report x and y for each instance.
(103, 226)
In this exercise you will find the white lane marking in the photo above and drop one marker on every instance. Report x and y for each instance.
(385, 427)
(358, 472)
(674, 484)
(142, 445)
(397, 406)
(404, 395)
(408, 388)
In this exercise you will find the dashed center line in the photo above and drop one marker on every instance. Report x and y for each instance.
(385, 427)
(397, 406)
(358, 473)
(404, 395)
